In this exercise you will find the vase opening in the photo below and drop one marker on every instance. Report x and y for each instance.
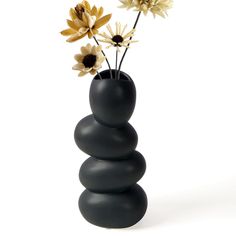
(106, 75)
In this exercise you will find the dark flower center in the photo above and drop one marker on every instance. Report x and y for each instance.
(89, 60)
(117, 39)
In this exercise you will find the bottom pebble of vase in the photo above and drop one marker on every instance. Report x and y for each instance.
(109, 210)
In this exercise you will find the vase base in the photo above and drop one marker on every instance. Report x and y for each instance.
(109, 210)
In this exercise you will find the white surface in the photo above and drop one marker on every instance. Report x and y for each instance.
(184, 70)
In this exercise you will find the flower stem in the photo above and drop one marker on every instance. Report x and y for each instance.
(117, 52)
(122, 59)
(105, 57)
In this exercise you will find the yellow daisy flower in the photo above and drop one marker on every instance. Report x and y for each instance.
(90, 60)
(117, 38)
(85, 21)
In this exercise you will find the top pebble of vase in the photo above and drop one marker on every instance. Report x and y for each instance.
(112, 101)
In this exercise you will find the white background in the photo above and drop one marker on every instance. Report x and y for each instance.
(184, 70)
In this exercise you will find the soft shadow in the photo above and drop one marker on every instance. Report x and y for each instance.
(212, 201)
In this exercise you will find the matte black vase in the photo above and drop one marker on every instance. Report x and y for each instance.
(112, 198)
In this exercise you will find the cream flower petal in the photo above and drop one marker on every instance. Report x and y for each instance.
(110, 30)
(79, 23)
(90, 19)
(72, 25)
(124, 29)
(79, 66)
(99, 63)
(100, 59)
(128, 34)
(93, 72)
(68, 32)
(85, 19)
(94, 11)
(106, 41)
(105, 35)
(83, 30)
(87, 69)
(109, 46)
(90, 34)
(75, 37)
(158, 11)
(126, 4)
(82, 73)
(102, 21)
(94, 31)
(117, 28)
(87, 5)
(87, 49)
(130, 41)
(100, 12)
(94, 51)
(73, 14)
(97, 67)
(99, 49)
(79, 57)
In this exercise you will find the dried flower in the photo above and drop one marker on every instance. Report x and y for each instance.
(84, 21)
(119, 38)
(156, 7)
(127, 4)
(90, 60)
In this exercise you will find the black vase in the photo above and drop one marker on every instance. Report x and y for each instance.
(112, 198)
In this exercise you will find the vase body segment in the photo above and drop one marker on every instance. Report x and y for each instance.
(112, 101)
(112, 198)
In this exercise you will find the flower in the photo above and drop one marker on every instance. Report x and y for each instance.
(85, 21)
(157, 7)
(126, 4)
(90, 60)
(117, 39)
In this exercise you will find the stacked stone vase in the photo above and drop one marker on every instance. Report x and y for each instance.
(112, 198)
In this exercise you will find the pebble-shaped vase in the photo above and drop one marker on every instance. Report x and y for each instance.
(112, 198)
